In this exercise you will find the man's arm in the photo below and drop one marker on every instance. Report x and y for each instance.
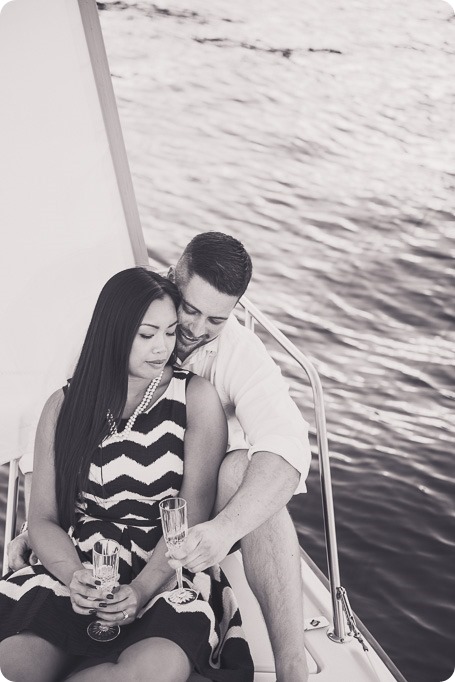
(266, 413)
(279, 453)
(267, 486)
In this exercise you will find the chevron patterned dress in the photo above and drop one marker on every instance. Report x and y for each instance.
(127, 480)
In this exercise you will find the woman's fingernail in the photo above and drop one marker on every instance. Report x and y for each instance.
(97, 582)
(92, 611)
(110, 596)
(102, 603)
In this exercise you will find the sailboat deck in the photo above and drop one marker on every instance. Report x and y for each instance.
(328, 661)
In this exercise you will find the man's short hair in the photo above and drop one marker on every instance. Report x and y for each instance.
(220, 260)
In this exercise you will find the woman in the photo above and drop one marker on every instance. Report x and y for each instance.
(128, 430)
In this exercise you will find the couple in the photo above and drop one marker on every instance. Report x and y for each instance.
(176, 444)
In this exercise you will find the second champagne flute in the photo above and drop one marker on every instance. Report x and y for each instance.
(174, 518)
(105, 569)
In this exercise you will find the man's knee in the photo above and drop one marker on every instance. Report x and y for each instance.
(232, 470)
(230, 477)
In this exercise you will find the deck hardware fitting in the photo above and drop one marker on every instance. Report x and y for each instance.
(315, 623)
(354, 630)
(342, 595)
(342, 598)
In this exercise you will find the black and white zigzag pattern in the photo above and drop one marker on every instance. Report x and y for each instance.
(127, 480)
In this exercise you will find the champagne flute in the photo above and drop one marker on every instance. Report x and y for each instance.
(174, 518)
(105, 569)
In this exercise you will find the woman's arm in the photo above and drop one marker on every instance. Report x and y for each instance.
(204, 448)
(50, 542)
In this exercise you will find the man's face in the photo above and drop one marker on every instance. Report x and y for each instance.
(202, 314)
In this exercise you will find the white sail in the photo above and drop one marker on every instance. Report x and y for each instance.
(67, 210)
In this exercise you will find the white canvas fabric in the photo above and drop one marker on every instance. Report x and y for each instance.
(64, 230)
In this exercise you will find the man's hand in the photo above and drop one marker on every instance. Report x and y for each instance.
(206, 545)
(20, 553)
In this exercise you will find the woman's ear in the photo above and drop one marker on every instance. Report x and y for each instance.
(171, 273)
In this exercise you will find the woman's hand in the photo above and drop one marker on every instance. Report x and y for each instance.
(120, 606)
(85, 593)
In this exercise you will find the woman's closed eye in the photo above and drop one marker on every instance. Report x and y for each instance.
(150, 336)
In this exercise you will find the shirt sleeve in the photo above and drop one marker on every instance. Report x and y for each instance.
(264, 409)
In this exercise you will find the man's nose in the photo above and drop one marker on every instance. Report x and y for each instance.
(197, 327)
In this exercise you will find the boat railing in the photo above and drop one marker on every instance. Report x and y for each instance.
(254, 315)
(11, 508)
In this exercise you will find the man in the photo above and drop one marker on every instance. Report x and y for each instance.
(268, 452)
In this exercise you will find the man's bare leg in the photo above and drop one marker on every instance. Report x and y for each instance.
(272, 566)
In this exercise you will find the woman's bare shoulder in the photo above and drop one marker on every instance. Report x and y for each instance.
(200, 388)
(52, 407)
(202, 400)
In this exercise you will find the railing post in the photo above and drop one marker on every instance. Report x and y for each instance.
(249, 320)
(11, 508)
(339, 633)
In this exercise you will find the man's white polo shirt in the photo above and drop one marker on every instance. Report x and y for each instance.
(261, 414)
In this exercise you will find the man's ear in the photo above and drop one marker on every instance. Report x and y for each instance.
(171, 273)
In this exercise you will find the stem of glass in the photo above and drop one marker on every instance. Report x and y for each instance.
(179, 577)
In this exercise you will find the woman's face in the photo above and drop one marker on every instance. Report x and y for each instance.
(154, 341)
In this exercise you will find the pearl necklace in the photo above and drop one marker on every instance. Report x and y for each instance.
(148, 395)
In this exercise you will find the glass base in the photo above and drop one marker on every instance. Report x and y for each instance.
(102, 632)
(183, 596)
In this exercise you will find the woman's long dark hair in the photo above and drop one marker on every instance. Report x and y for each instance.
(100, 380)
